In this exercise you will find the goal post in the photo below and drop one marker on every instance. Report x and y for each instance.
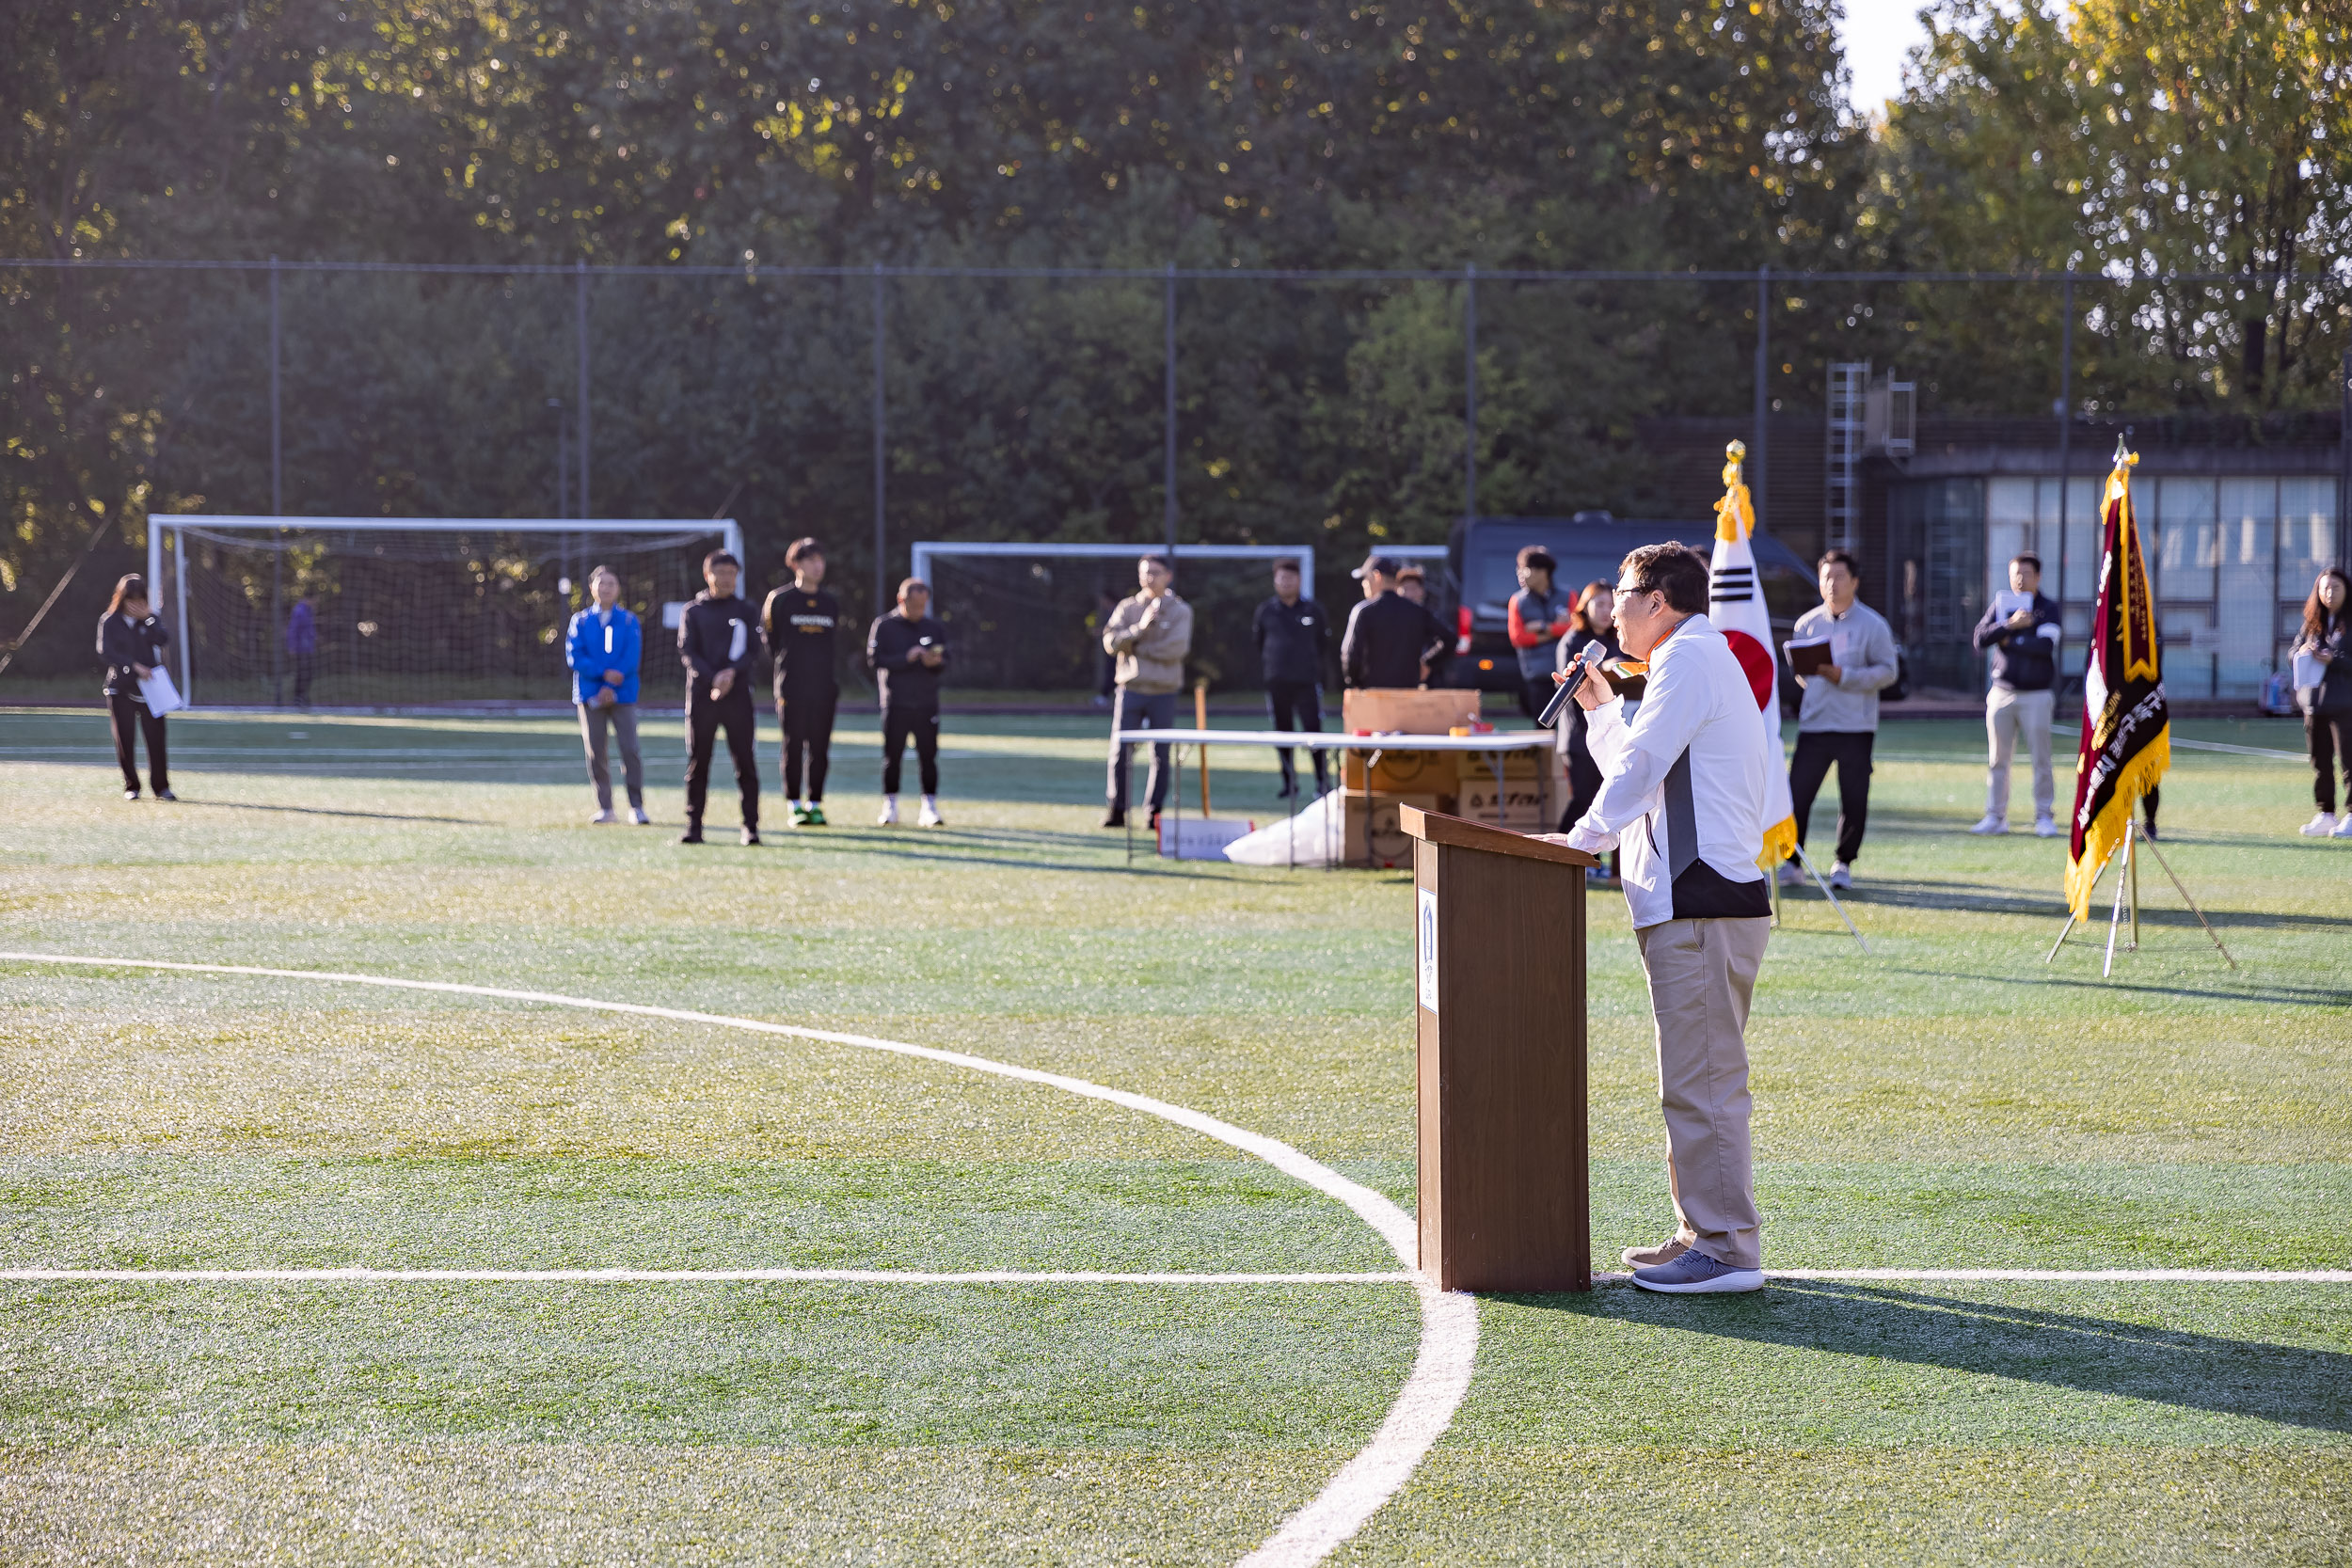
(1018, 623)
(405, 611)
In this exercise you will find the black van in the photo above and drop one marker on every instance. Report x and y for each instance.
(1481, 574)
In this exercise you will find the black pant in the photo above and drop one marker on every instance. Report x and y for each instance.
(1296, 705)
(807, 724)
(921, 725)
(1139, 710)
(1583, 783)
(706, 716)
(1815, 750)
(306, 665)
(131, 721)
(2331, 738)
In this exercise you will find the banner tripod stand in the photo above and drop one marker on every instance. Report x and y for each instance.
(1833, 903)
(2128, 881)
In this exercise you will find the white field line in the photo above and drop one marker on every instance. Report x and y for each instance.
(2235, 750)
(673, 1276)
(1426, 1405)
(2055, 1277)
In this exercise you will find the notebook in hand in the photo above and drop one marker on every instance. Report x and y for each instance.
(1807, 656)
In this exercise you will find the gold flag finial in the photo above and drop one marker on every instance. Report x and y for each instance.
(1735, 458)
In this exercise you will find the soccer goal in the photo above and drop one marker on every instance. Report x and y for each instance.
(1029, 617)
(404, 610)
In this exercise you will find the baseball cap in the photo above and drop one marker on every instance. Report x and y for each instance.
(1379, 564)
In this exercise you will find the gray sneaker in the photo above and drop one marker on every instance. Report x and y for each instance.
(1695, 1273)
(1650, 1257)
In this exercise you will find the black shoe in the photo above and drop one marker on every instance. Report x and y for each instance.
(130, 794)
(165, 795)
(1289, 791)
(693, 833)
(1155, 822)
(1115, 817)
(750, 837)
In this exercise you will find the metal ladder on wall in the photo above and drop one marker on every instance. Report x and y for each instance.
(1848, 414)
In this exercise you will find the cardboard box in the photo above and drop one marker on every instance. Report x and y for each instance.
(1412, 711)
(1399, 772)
(1522, 806)
(1470, 767)
(1372, 819)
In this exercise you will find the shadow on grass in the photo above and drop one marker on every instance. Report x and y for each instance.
(1944, 895)
(2283, 996)
(328, 810)
(2284, 1383)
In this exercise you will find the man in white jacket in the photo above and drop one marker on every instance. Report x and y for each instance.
(1682, 800)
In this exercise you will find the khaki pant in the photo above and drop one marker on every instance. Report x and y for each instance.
(1702, 974)
(2006, 712)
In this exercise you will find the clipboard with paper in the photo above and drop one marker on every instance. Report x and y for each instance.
(158, 693)
(1808, 655)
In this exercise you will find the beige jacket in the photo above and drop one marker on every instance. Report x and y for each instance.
(1151, 637)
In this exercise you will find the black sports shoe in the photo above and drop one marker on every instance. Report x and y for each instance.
(693, 833)
(1114, 818)
(165, 795)
(750, 837)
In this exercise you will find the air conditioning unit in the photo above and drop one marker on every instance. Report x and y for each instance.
(1890, 416)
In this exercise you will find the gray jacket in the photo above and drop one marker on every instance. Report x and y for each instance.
(1863, 649)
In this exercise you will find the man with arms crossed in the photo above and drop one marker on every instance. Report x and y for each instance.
(1149, 633)
(906, 649)
(716, 642)
(604, 649)
(2021, 630)
(799, 620)
(1682, 801)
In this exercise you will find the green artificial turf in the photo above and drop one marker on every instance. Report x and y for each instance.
(1947, 1100)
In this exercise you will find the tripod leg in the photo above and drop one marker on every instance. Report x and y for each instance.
(2116, 918)
(2131, 867)
(2052, 956)
(1833, 903)
(2193, 908)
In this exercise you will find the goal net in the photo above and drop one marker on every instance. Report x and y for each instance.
(406, 611)
(1029, 617)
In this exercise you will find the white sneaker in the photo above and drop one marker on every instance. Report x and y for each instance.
(1840, 875)
(889, 817)
(931, 817)
(1991, 824)
(2344, 825)
(2323, 826)
(637, 815)
(2045, 826)
(603, 817)
(1791, 874)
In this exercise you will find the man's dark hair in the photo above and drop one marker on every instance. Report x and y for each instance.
(1537, 558)
(802, 548)
(1677, 571)
(1412, 573)
(721, 558)
(1288, 563)
(2026, 558)
(1842, 559)
(1160, 561)
(913, 583)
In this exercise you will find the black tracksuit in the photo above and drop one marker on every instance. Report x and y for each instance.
(799, 628)
(1387, 640)
(909, 694)
(2022, 661)
(715, 635)
(122, 644)
(1293, 640)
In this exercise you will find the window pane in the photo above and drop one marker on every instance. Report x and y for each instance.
(2307, 542)
(2244, 640)
(2009, 527)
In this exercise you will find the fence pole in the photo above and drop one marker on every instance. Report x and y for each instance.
(276, 508)
(1469, 392)
(882, 567)
(1167, 418)
(1763, 402)
(579, 334)
(277, 429)
(2343, 463)
(2066, 444)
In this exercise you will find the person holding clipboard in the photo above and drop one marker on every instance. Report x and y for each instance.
(1843, 653)
(138, 689)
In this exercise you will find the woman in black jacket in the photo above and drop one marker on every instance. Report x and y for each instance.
(132, 641)
(2327, 642)
(1594, 620)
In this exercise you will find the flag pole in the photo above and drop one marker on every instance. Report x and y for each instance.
(2116, 917)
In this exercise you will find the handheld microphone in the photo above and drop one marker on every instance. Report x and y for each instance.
(1565, 693)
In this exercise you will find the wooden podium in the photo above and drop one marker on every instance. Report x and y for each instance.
(1499, 984)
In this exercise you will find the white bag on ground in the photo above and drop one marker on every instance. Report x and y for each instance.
(158, 693)
(1310, 838)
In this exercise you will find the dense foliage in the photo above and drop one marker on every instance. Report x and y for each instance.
(1516, 133)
